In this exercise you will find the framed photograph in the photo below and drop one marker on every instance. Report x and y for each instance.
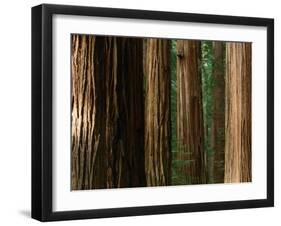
(146, 112)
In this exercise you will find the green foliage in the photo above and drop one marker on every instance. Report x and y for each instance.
(176, 177)
(207, 62)
(173, 66)
(206, 66)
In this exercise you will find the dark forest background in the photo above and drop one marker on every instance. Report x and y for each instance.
(158, 112)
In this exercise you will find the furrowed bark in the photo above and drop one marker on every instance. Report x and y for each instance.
(83, 110)
(107, 113)
(190, 131)
(238, 113)
(157, 113)
(131, 112)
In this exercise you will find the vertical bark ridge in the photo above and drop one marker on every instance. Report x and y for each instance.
(190, 131)
(82, 115)
(238, 113)
(107, 113)
(157, 113)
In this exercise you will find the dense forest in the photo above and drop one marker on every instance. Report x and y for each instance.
(159, 112)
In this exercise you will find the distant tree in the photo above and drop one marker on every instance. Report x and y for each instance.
(177, 178)
(207, 70)
(190, 127)
(217, 128)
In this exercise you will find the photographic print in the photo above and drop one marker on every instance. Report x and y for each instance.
(138, 112)
(159, 112)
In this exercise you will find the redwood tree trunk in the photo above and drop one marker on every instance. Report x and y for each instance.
(238, 113)
(131, 112)
(85, 142)
(217, 130)
(157, 113)
(190, 131)
(107, 113)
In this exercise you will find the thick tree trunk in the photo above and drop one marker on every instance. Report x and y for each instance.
(190, 131)
(107, 141)
(157, 113)
(85, 142)
(238, 113)
(217, 129)
(131, 112)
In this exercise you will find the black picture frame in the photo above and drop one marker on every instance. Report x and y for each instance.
(42, 111)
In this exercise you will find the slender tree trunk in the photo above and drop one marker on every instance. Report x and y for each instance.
(106, 101)
(217, 130)
(190, 131)
(157, 113)
(238, 113)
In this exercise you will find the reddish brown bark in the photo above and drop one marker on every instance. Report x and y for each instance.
(157, 113)
(190, 127)
(238, 113)
(107, 113)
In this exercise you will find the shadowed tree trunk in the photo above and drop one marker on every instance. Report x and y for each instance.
(157, 113)
(190, 131)
(107, 113)
(131, 112)
(238, 113)
(217, 130)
